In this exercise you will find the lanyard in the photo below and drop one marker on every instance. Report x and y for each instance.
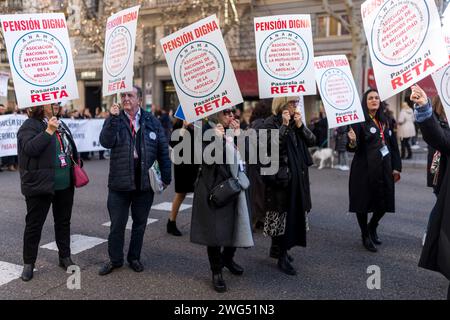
(133, 129)
(61, 145)
(380, 126)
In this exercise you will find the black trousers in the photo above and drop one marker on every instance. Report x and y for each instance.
(362, 221)
(37, 210)
(218, 258)
(406, 146)
(119, 203)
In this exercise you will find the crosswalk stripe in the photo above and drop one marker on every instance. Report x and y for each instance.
(9, 272)
(130, 222)
(167, 206)
(78, 243)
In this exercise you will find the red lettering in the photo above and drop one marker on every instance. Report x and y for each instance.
(274, 90)
(199, 110)
(35, 98)
(338, 119)
(428, 64)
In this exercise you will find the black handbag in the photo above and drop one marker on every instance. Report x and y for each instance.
(225, 192)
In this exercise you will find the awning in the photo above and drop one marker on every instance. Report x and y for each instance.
(248, 82)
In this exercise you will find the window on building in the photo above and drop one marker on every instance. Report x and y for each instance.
(328, 26)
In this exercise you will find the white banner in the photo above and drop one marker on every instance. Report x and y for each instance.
(284, 50)
(9, 125)
(40, 57)
(118, 60)
(201, 70)
(338, 91)
(442, 77)
(86, 133)
(405, 42)
(4, 77)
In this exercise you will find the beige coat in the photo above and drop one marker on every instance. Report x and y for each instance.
(406, 127)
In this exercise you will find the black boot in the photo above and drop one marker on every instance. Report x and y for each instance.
(66, 262)
(172, 228)
(27, 273)
(373, 234)
(275, 253)
(234, 267)
(218, 282)
(368, 244)
(285, 266)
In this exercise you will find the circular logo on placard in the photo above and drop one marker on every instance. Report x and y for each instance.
(284, 55)
(199, 69)
(39, 58)
(445, 86)
(337, 89)
(118, 50)
(399, 31)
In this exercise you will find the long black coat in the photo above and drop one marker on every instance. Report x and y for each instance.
(36, 150)
(442, 162)
(296, 198)
(436, 251)
(371, 185)
(116, 135)
(211, 226)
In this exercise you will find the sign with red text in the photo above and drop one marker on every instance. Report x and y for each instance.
(405, 42)
(441, 78)
(4, 77)
(40, 58)
(118, 59)
(284, 53)
(201, 70)
(338, 91)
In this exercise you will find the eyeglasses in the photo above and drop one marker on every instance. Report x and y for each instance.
(294, 102)
(227, 112)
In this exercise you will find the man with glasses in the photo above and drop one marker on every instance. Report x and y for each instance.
(136, 139)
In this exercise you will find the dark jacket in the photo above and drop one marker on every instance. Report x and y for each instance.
(442, 162)
(36, 150)
(295, 199)
(341, 139)
(211, 226)
(436, 250)
(371, 185)
(116, 135)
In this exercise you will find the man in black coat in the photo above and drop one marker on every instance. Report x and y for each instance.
(136, 139)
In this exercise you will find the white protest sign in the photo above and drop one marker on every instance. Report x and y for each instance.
(441, 78)
(201, 70)
(4, 77)
(301, 108)
(284, 50)
(338, 91)
(41, 59)
(405, 42)
(9, 125)
(86, 133)
(118, 60)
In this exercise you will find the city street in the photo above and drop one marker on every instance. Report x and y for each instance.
(333, 266)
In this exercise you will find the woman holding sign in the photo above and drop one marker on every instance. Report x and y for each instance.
(375, 168)
(436, 250)
(46, 152)
(288, 197)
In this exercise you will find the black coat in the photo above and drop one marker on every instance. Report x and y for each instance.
(371, 185)
(36, 150)
(211, 226)
(116, 135)
(296, 198)
(341, 139)
(436, 250)
(442, 162)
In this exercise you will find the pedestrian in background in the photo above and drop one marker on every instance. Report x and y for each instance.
(46, 152)
(375, 168)
(341, 140)
(288, 196)
(436, 250)
(136, 139)
(406, 130)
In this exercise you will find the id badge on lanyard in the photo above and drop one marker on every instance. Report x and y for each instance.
(62, 154)
(384, 151)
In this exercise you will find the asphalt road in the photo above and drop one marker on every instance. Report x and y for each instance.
(333, 266)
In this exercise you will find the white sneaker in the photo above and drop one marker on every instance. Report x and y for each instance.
(345, 168)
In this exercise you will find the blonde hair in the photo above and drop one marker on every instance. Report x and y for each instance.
(278, 104)
(405, 105)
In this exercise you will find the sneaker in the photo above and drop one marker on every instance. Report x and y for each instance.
(345, 168)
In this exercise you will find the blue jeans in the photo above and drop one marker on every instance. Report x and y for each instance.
(119, 203)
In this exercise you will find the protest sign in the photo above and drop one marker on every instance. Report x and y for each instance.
(338, 91)
(118, 60)
(284, 49)
(9, 125)
(405, 42)
(201, 70)
(41, 59)
(4, 77)
(441, 78)
(301, 108)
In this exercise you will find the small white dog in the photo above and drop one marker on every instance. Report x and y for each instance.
(322, 156)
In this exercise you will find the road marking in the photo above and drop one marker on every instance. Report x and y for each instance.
(78, 243)
(167, 206)
(130, 222)
(9, 272)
